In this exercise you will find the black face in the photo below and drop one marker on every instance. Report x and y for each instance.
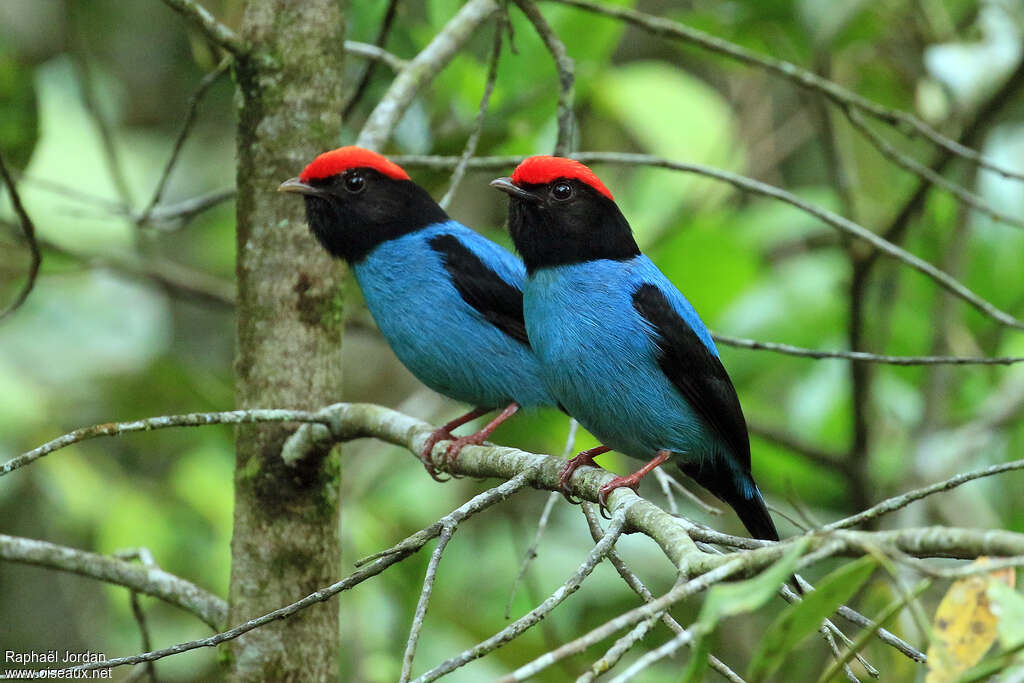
(352, 212)
(566, 221)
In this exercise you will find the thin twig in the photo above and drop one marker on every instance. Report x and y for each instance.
(186, 127)
(620, 647)
(208, 25)
(903, 500)
(421, 70)
(375, 53)
(666, 650)
(638, 587)
(399, 552)
(146, 579)
(862, 640)
(519, 626)
(478, 125)
(28, 229)
(566, 69)
(626, 620)
(382, 38)
(146, 558)
(863, 357)
(808, 79)
(928, 175)
(837, 653)
(669, 480)
(162, 422)
(542, 524)
(842, 224)
(421, 606)
(110, 152)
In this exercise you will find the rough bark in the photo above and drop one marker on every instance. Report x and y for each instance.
(285, 542)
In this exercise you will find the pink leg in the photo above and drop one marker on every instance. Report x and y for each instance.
(582, 458)
(479, 437)
(442, 433)
(633, 480)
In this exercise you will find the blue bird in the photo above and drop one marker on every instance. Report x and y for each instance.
(448, 301)
(620, 347)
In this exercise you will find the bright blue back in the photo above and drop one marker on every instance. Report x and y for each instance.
(441, 339)
(600, 360)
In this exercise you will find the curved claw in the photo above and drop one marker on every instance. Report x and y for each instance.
(439, 434)
(582, 458)
(629, 482)
(456, 446)
(563, 482)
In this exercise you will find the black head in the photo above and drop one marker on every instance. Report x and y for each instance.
(357, 199)
(561, 213)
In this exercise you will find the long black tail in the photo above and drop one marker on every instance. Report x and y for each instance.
(754, 514)
(742, 495)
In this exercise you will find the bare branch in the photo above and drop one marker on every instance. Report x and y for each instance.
(421, 70)
(841, 223)
(864, 357)
(186, 209)
(807, 79)
(146, 558)
(634, 582)
(478, 125)
(163, 422)
(348, 421)
(623, 645)
(903, 500)
(626, 620)
(862, 640)
(384, 560)
(382, 38)
(110, 152)
(376, 53)
(421, 606)
(208, 25)
(146, 579)
(910, 164)
(28, 229)
(531, 618)
(566, 68)
(666, 650)
(542, 524)
(190, 117)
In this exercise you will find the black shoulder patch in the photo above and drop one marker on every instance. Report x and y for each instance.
(695, 372)
(483, 289)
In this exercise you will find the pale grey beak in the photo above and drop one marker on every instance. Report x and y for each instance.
(298, 187)
(507, 186)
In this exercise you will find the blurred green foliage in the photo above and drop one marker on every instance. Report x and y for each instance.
(96, 343)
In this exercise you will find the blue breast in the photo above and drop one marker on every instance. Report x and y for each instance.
(440, 338)
(600, 360)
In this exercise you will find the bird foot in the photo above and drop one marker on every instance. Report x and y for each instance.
(439, 434)
(456, 446)
(632, 481)
(582, 458)
(477, 438)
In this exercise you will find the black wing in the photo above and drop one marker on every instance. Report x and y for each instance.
(483, 289)
(694, 371)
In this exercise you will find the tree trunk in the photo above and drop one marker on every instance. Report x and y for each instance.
(285, 542)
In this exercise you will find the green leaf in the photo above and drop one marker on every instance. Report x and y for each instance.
(1008, 605)
(803, 618)
(730, 599)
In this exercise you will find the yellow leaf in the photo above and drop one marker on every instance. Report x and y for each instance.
(964, 627)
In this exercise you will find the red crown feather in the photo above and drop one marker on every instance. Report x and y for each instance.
(341, 159)
(540, 170)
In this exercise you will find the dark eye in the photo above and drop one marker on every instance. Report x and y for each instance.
(355, 183)
(561, 191)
